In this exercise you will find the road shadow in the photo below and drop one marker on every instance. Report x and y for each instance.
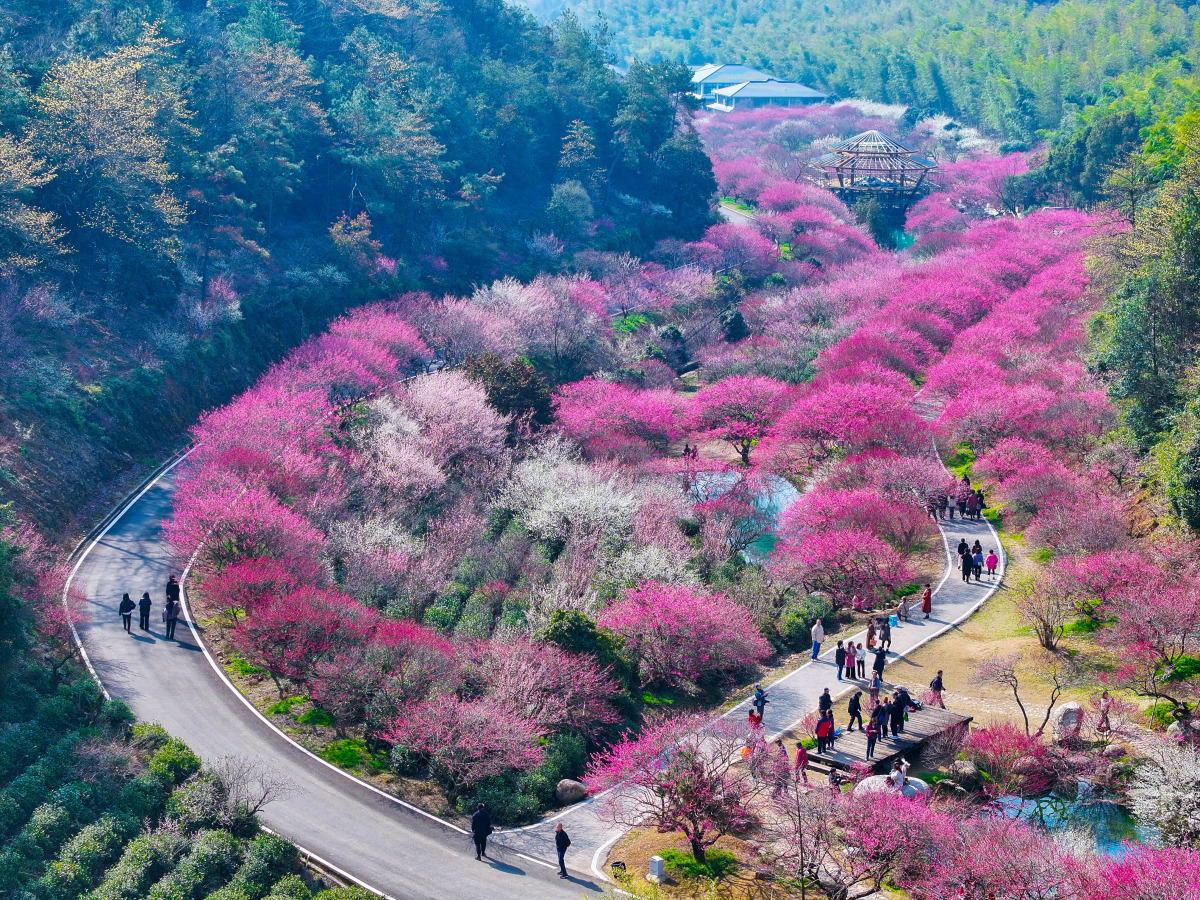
(506, 868)
(187, 645)
(145, 638)
(584, 883)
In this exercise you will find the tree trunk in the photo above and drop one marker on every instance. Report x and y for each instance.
(698, 851)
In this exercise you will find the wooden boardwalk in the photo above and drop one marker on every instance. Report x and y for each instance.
(923, 724)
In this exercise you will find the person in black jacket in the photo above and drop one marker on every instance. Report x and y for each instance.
(144, 611)
(880, 661)
(855, 710)
(172, 590)
(561, 843)
(825, 702)
(481, 827)
(840, 658)
(899, 707)
(126, 611)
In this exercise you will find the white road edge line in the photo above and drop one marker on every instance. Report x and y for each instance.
(79, 562)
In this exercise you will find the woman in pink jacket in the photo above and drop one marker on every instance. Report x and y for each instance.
(991, 562)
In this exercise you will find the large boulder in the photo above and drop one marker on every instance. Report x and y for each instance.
(570, 791)
(1114, 751)
(966, 773)
(879, 784)
(1066, 721)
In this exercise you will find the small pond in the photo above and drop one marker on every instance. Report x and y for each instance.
(1097, 819)
(773, 496)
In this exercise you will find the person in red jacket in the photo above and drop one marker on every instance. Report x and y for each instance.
(927, 601)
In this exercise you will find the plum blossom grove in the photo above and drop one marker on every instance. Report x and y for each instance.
(490, 603)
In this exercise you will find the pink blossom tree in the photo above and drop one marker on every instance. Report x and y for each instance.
(739, 410)
(465, 741)
(679, 636)
(615, 420)
(844, 562)
(678, 775)
(288, 636)
(554, 690)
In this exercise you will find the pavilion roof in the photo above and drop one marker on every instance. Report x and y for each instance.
(873, 151)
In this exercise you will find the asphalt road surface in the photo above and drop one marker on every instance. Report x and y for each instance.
(389, 847)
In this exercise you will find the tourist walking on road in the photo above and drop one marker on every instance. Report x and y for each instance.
(760, 700)
(481, 827)
(991, 562)
(126, 611)
(855, 710)
(144, 611)
(880, 662)
(172, 589)
(927, 601)
(968, 566)
(978, 560)
(561, 843)
(839, 659)
(935, 689)
(861, 656)
(851, 660)
(885, 635)
(818, 635)
(171, 617)
(871, 634)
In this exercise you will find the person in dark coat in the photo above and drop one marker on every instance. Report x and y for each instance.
(963, 546)
(880, 661)
(883, 715)
(839, 657)
(481, 827)
(855, 710)
(172, 589)
(825, 703)
(885, 634)
(561, 843)
(171, 616)
(126, 611)
(898, 711)
(144, 611)
(968, 566)
(760, 700)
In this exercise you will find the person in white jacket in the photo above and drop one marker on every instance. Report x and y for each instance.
(818, 635)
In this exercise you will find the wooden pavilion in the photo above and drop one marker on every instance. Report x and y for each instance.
(873, 165)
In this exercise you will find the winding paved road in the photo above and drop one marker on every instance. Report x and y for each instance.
(349, 826)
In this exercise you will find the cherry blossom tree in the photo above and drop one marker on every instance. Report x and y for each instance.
(739, 410)
(465, 741)
(843, 562)
(679, 636)
(289, 635)
(679, 774)
(544, 685)
(615, 420)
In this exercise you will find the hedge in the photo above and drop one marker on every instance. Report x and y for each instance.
(84, 858)
(146, 859)
(214, 857)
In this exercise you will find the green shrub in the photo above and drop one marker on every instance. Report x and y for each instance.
(797, 619)
(149, 735)
(116, 714)
(214, 857)
(347, 754)
(315, 717)
(1160, 713)
(143, 798)
(291, 887)
(146, 859)
(443, 613)
(285, 705)
(85, 857)
(235, 665)
(174, 762)
(268, 858)
(717, 863)
(347, 893)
